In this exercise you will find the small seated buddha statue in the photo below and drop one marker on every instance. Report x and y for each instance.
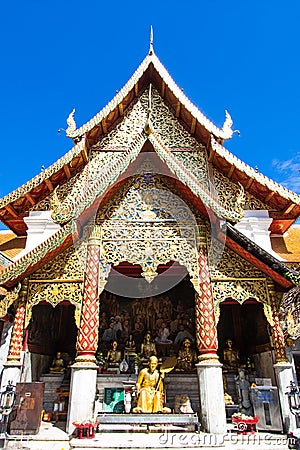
(231, 358)
(58, 365)
(187, 356)
(113, 357)
(148, 348)
(130, 347)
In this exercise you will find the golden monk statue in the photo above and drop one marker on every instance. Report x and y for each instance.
(113, 358)
(230, 356)
(58, 365)
(187, 356)
(150, 389)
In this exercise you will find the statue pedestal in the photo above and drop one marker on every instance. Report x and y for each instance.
(213, 416)
(82, 394)
(284, 375)
(11, 372)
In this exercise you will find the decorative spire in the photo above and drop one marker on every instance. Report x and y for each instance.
(151, 41)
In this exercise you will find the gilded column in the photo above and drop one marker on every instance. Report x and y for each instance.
(13, 366)
(87, 340)
(206, 330)
(84, 371)
(282, 367)
(209, 369)
(16, 343)
(277, 334)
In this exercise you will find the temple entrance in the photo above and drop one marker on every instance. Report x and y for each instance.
(133, 329)
(156, 324)
(51, 330)
(246, 326)
(244, 343)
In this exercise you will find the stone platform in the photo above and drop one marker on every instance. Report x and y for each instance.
(50, 437)
(189, 422)
(175, 384)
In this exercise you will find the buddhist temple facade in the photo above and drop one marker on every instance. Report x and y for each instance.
(148, 225)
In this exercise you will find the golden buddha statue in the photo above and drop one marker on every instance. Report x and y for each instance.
(230, 356)
(113, 357)
(130, 347)
(58, 365)
(187, 356)
(148, 347)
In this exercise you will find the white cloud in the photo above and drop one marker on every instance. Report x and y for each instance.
(289, 171)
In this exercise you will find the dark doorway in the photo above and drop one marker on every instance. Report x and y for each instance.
(246, 325)
(52, 329)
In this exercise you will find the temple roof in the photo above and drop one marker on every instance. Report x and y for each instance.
(283, 275)
(152, 70)
(11, 245)
(37, 257)
(284, 204)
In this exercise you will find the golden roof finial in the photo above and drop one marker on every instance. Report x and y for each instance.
(151, 41)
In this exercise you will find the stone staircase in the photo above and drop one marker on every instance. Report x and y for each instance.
(52, 383)
(182, 384)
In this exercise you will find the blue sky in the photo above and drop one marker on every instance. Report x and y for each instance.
(237, 55)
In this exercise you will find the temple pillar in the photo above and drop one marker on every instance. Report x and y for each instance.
(84, 371)
(283, 369)
(209, 369)
(13, 366)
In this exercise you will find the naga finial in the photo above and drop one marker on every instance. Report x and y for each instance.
(227, 127)
(151, 41)
(71, 124)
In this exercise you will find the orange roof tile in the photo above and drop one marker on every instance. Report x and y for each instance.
(11, 244)
(288, 245)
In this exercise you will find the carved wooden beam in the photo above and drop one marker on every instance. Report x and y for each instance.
(249, 184)
(30, 199)
(269, 196)
(230, 173)
(211, 156)
(278, 215)
(163, 88)
(177, 112)
(136, 88)
(193, 125)
(121, 112)
(67, 171)
(104, 126)
(49, 185)
(289, 208)
(11, 211)
(84, 155)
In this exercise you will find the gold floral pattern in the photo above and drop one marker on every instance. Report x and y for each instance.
(147, 224)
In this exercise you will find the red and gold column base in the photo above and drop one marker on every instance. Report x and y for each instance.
(208, 358)
(13, 362)
(85, 359)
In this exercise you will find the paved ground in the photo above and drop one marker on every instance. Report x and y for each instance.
(52, 437)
